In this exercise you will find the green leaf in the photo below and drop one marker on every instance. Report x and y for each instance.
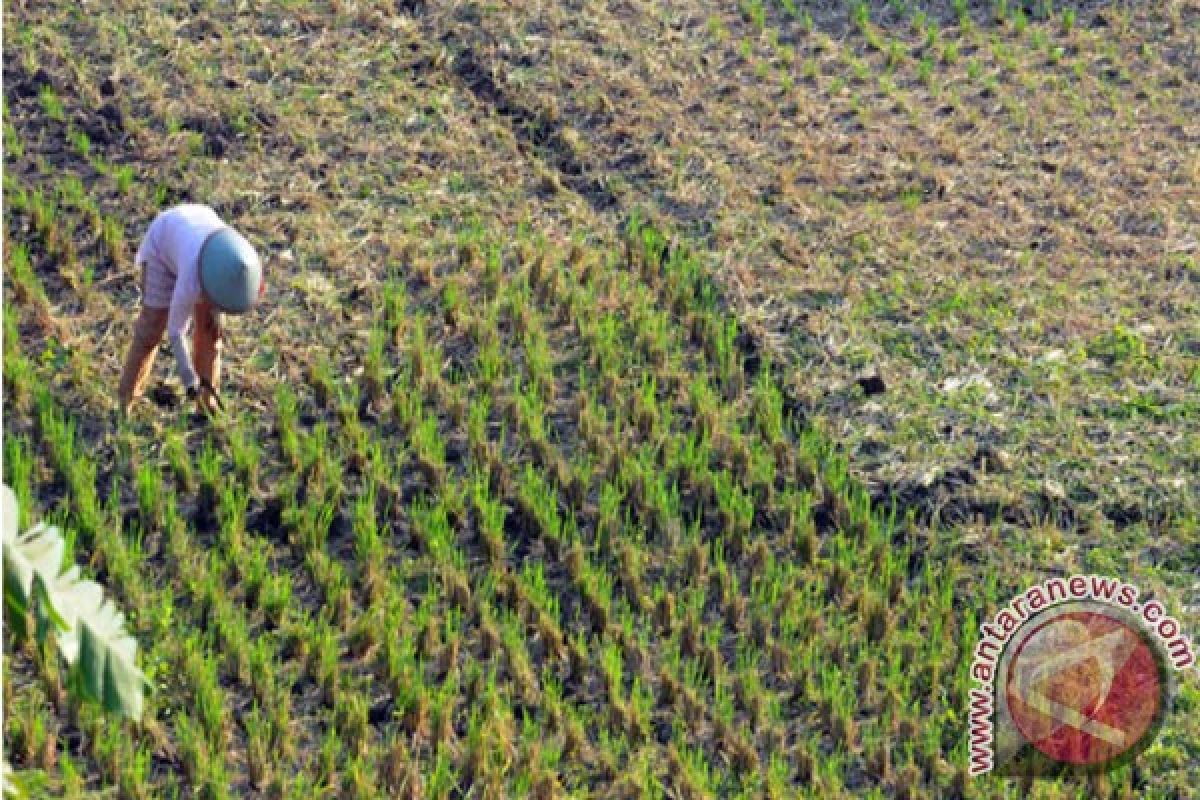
(11, 787)
(93, 639)
(20, 785)
(45, 617)
(15, 613)
(106, 672)
(40, 549)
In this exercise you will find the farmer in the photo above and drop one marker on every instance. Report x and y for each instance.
(194, 266)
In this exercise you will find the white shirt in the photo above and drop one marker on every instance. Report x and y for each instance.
(170, 253)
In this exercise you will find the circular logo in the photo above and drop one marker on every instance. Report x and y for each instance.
(1085, 687)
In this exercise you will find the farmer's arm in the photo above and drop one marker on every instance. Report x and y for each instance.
(183, 303)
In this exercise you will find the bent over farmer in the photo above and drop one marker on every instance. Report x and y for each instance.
(194, 266)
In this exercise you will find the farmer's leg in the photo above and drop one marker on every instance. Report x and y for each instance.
(206, 343)
(147, 333)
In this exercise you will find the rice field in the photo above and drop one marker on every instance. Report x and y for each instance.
(651, 398)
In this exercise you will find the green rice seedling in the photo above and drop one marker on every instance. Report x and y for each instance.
(604, 336)
(582, 470)
(539, 363)
(18, 474)
(484, 323)
(736, 508)
(590, 415)
(441, 782)
(57, 431)
(950, 52)
(407, 405)
(645, 405)
(44, 213)
(429, 449)
(20, 377)
(80, 143)
(519, 665)
(610, 521)
(253, 568)
(231, 517)
(330, 754)
(203, 766)
(357, 442)
(639, 710)
(312, 521)
(28, 733)
(200, 668)
(962, 11)
(540, 500)
(378, 470)
(361, 777)
(690, 770)
(398, 771)
(531, 417)
(975, 70)
(755, 12)
(722, 350)
(664, 505)
(71, 192)
(425, 623)
(148, 481)
(134, 770)
(613, 746)
(260, 753)
(208, 464)
(432, 526)
(331, 576)
(276, 597)
(286, 422)
(453, 582)
(124, 179)
(613, 669)
(348, 394)
(350, 717)
(424, 356)
(296, 787)
(597, 588)
(538, 591)
(244, 449)
(374, 370)
(52, 105)
(370, 552)
(490, 513)
(1068, 21)
(454, 305)
(694, 460)
(322, 378)
(768, 406)
(234, 637)
(14, 147)
(179, 461)
(444, 709)
(112, 234)
(706, 406)
(324, 661)
(489, 365)
(395, 308)
(27, 286)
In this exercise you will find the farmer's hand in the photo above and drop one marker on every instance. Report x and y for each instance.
(206, 397)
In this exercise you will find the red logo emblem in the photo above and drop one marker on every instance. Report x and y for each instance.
(1085, 687)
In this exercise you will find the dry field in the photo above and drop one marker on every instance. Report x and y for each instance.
(652, 398)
